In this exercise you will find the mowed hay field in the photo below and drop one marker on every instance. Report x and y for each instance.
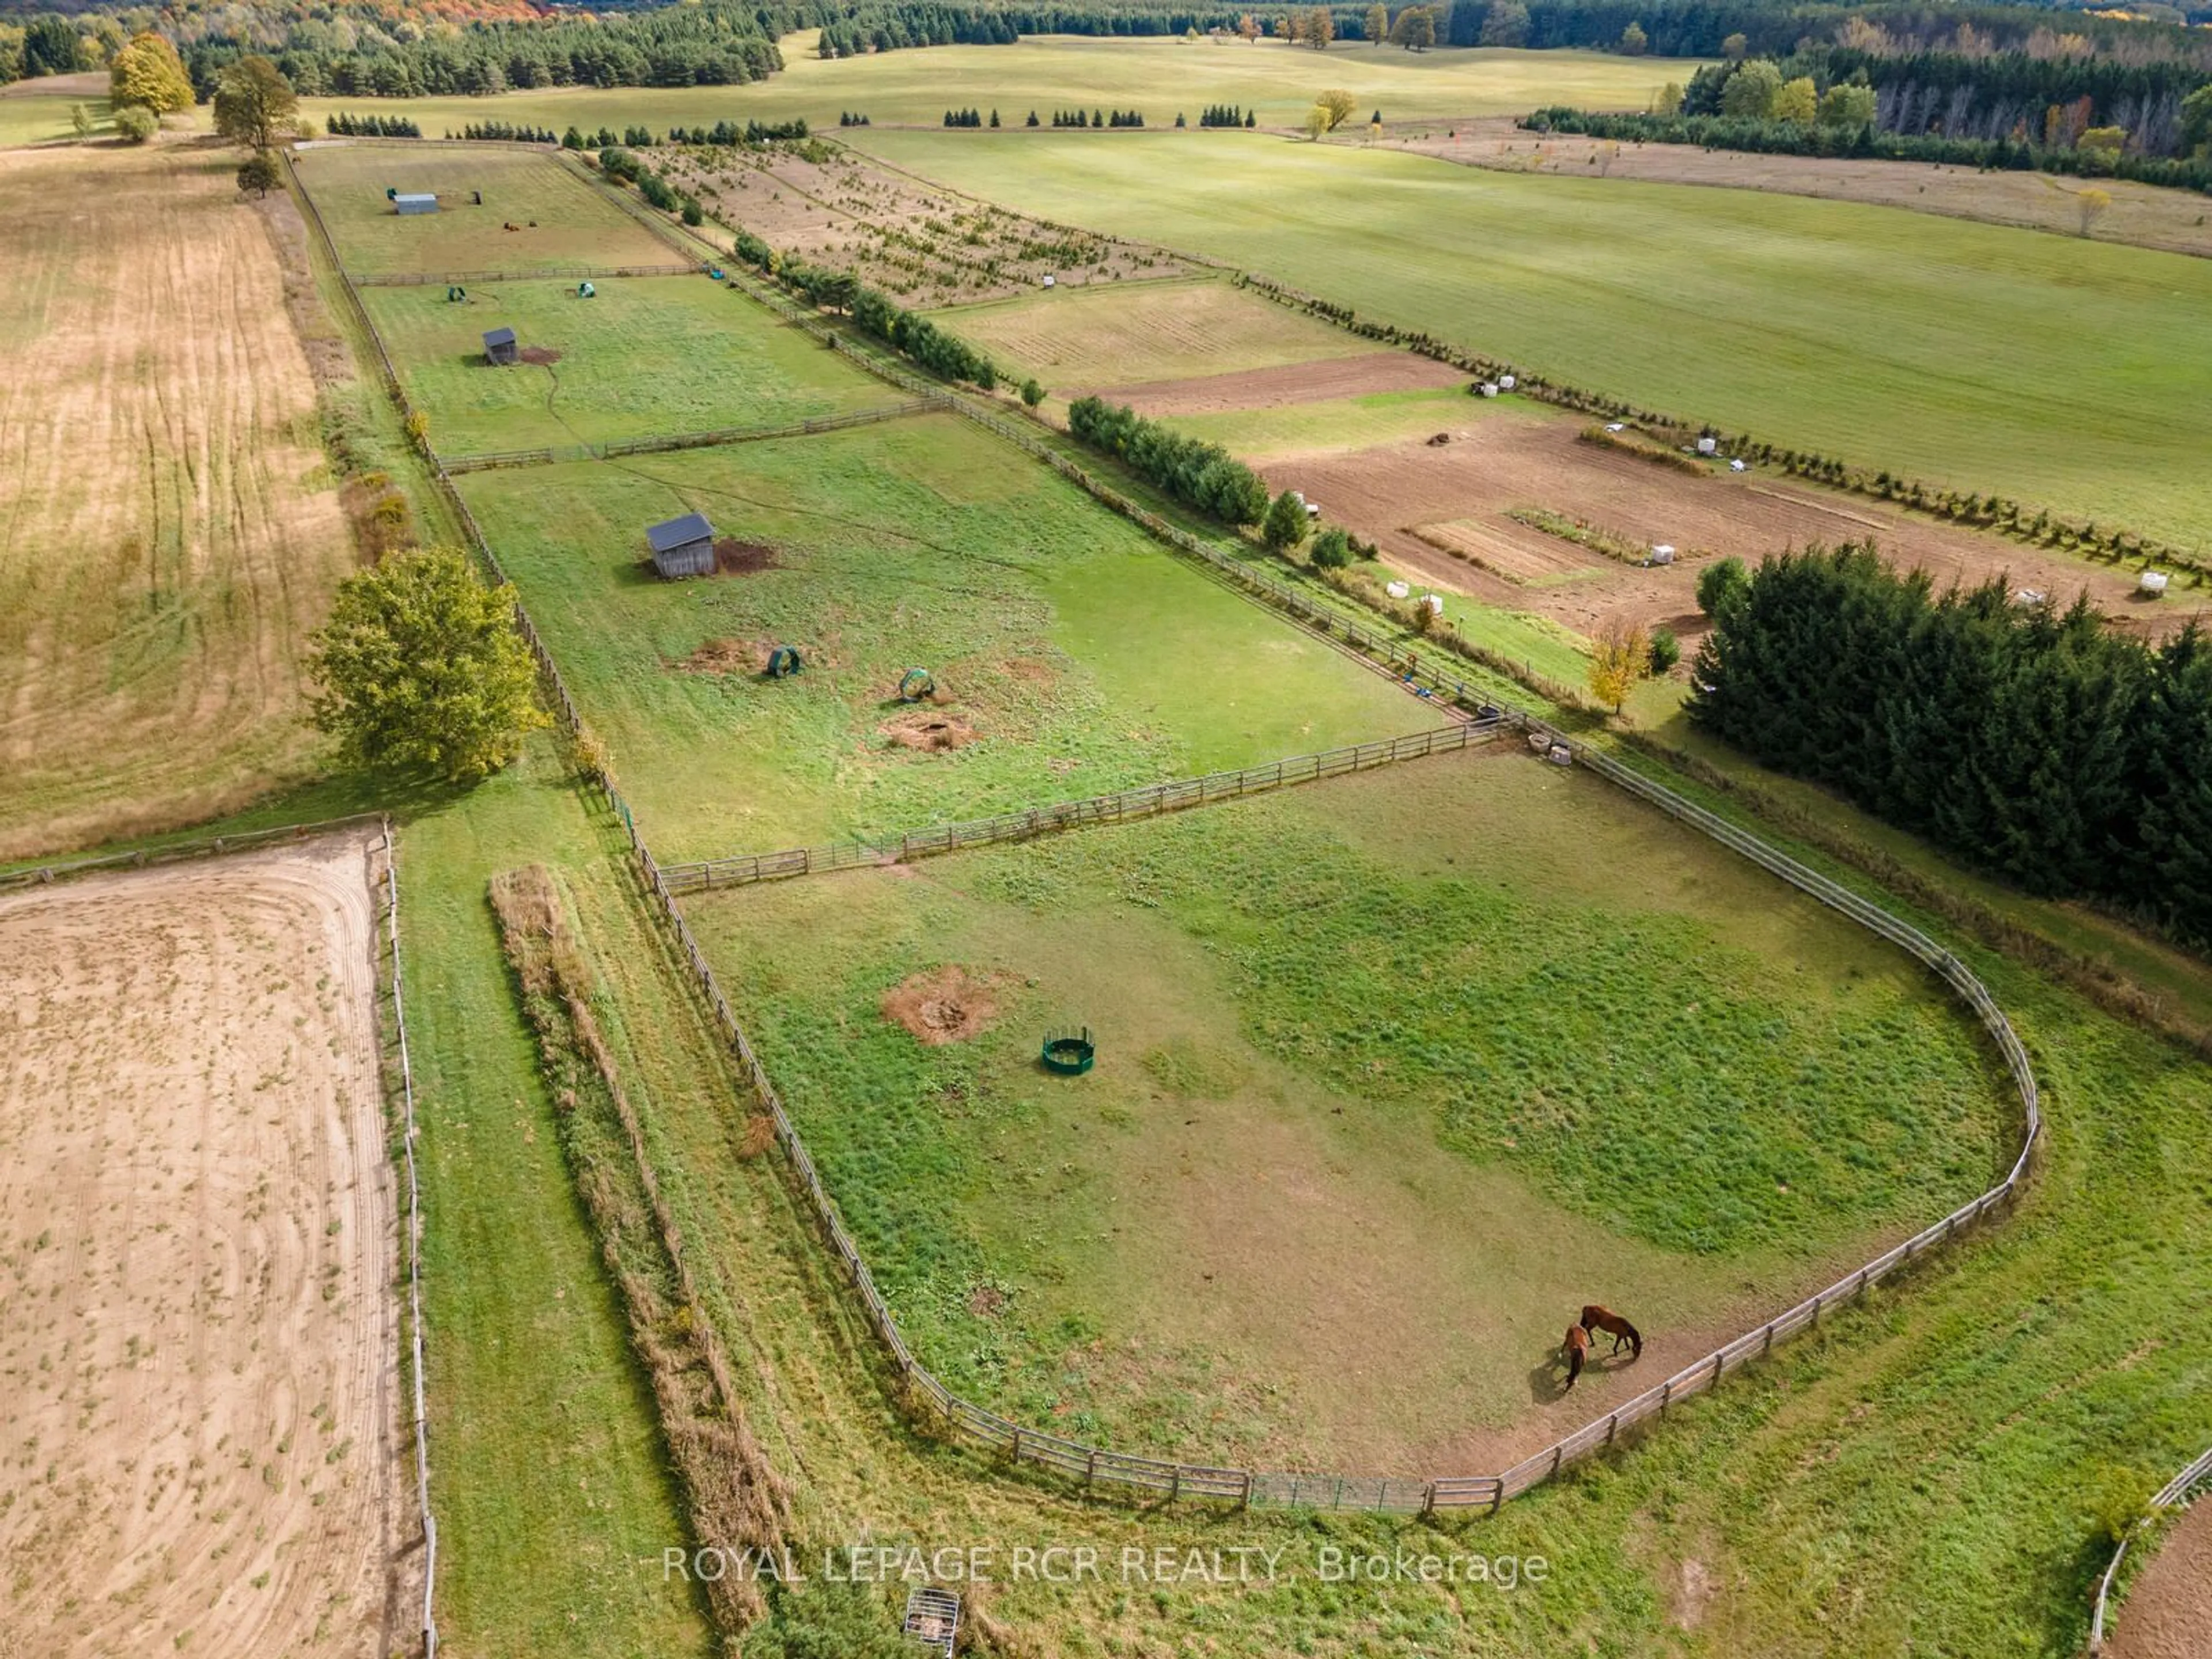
(199, 1344)
(2056, 371)
(575, 225)
(1395, 1074)
(1158, 76)
(1073, 655)
(645, 356)
(169, 533)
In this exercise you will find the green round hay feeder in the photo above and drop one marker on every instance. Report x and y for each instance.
(917, 684)
(1070, 1055)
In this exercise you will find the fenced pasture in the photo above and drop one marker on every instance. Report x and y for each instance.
(199, 1219)
(575, 226)
(648, 355)
(1395, 1074)
(169, 533)
(1159, 77)
(1078, 655)
(1102, 337)
(1931, 347)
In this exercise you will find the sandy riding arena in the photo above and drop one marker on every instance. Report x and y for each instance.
(198, 1332)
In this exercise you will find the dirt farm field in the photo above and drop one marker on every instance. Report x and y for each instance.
(168, 532)
(198, 1343)
(2167, 1611)
(1440, 512)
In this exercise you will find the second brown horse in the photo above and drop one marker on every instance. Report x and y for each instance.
(1576, 1344)
(1596, 1318)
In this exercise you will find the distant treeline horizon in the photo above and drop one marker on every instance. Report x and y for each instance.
(417, 48)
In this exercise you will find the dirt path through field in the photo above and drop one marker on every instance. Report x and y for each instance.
(2168, 1614)
(197, 1330)
(169, 533)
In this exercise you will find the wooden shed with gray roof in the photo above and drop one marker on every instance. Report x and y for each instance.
(683, 547)
(499, 345)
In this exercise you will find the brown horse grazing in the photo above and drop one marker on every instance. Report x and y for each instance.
(1596, 1318)
(1576, 1343)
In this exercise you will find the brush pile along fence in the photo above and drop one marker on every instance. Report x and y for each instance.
(1096, 1467)
(1127, 806)
(707, 440)
(388, 893)
(543, 274)
(2172, 1492)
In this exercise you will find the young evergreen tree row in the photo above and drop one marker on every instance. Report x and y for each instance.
(962, 118)
(1204, 475)
(2032, 741)
(506, 131)
(846, 117)
(342, 125)
(1227, 115)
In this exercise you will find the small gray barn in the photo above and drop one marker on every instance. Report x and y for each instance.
(499, 345)
(683, 547)
(415, 203)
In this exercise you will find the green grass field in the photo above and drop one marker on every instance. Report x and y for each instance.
(647, 356)
(1085, 657)
(1459, 1045)
(575, 225)
(1159, 77)
(34, 118)
(2055, 371)
(1125, 334)
(1259, 435)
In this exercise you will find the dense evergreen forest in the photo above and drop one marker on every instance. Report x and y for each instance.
(2064, 110)
(2032, 741)
(1975, 69)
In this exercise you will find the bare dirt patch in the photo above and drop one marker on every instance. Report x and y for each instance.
(2168, 1614)
(947, 1004)
(930, 730)
(2174, 219)
(733, 558)
(169, 532)
(543, 356)
(1408, 497)
(1268, 388)
(196, 1245)
(729, 657)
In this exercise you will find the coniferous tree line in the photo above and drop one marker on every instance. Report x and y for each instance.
(890, 28)
(1227, 115)
(846, 117)
(2033, 741)
(1204, 475)
(342, 125)
(506, 131)
(1803, 138)
(873, 312)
